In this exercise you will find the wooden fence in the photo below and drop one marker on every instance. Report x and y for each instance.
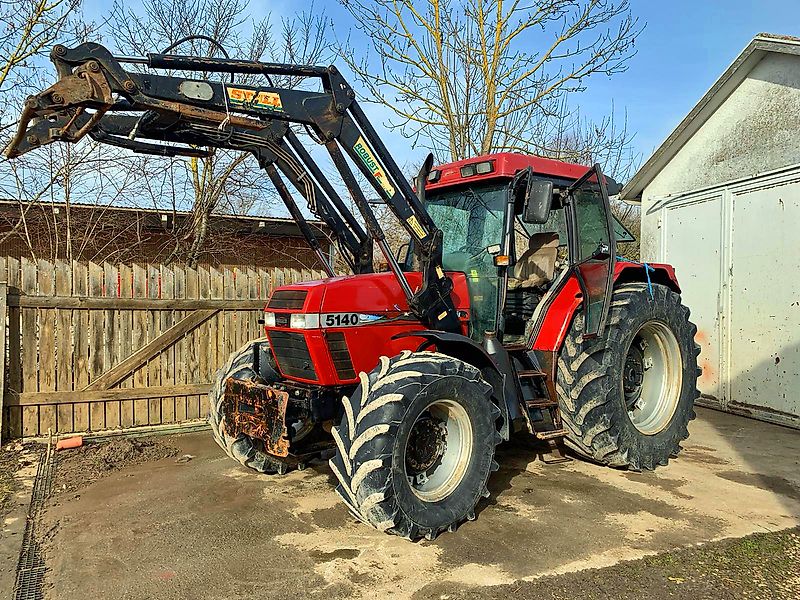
(92, 347)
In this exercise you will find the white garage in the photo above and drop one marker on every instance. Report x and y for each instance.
(721, 202)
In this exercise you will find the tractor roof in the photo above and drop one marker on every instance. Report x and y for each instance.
(503, 165)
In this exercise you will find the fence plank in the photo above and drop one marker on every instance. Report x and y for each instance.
(167, 355)
(47, 346)
(80, 277)
(179, 355)
(3, 294)
(13, 423)
(64, 346)
(153, 331)
(197, 345)
(30, 328)
(111, 291)
(125, 346)
(42, 398)
(97, 416)
(139, 339)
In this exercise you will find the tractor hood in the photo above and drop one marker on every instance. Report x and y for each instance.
(376, 294)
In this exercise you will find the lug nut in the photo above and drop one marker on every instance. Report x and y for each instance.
(59, 50)
(32, 139)
(94, 66)
(129, 86)
(57, 98)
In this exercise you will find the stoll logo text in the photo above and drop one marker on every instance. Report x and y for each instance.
(372, 164)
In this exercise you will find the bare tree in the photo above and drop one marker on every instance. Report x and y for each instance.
(478, 76)
(225, 181)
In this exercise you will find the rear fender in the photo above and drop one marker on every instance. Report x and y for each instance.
(465, 349)
(568, 299)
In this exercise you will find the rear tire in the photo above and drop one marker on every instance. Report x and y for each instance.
(626, 398)
(241, 448)
(416, 444)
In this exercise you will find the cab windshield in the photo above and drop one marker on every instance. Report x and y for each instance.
(471, 219)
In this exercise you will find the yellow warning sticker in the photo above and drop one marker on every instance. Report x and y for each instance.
(378, 172)
(440, 272)
(248, 98)
(415, 226)
(474, 275)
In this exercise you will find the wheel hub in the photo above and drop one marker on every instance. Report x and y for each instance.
(633, 374)
(426, 445)
(652, 377)
(438, 450)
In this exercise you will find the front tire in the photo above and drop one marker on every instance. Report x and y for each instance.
(242, 448)
(626, 398)
(416, 444)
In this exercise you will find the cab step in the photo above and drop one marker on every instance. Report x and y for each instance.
(540, 403)
(531, 374)
(551, 435)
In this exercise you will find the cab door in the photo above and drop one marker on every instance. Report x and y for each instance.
(592, 247)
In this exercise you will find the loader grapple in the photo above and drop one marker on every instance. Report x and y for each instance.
(258, 411)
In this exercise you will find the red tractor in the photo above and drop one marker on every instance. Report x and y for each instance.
(482, 327)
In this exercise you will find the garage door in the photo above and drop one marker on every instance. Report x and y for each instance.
(765, 300)
(692, 242)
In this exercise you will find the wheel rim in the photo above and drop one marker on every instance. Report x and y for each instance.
(438, 450)
(652, 377)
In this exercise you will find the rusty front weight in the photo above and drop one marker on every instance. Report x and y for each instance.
(55, 111)
(258, 411)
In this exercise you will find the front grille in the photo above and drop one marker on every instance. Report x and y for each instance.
(291, 352)
(340, 355)
(289, 299)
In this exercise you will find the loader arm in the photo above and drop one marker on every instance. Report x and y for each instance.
(94, 88)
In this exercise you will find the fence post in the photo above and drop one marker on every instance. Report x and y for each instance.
(3, 322)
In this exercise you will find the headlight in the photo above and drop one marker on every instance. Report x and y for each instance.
(269, 319)
(304, 321)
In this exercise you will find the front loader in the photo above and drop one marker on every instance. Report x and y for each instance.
(507, 313)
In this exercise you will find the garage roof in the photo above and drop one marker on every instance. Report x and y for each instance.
(762, 44)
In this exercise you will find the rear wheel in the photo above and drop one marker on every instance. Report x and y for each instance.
(626, 398)
(416, 444)
(241, 448)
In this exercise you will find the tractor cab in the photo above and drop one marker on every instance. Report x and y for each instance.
(508, 221)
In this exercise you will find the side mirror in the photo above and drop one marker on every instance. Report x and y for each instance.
(538, 201)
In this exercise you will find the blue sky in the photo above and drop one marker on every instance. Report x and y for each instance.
(686, 45)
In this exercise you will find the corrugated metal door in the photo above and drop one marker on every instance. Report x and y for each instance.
(692, 241)
(764, 333)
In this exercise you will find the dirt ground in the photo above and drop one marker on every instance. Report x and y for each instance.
(80, 467)
(207, 528)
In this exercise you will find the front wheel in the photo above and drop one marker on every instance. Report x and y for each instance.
(416, 444)
(626, 398)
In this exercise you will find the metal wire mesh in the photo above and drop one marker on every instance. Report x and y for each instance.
(31, 567)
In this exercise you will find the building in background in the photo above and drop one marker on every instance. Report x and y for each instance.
(86, 232)
(721, 201)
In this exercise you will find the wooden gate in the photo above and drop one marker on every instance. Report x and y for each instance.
(92, 347)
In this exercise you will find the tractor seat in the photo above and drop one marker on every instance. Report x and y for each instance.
(537, 265)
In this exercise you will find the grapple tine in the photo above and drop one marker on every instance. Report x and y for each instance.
(56, 112)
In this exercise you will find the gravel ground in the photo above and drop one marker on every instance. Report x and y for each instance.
(763, 566)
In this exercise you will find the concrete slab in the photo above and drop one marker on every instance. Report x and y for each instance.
(210, 529)
(12, 521)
